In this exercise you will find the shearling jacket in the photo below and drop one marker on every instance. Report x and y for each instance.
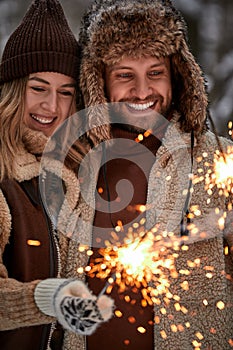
(202, 316)
(31, 250)
(198, 310)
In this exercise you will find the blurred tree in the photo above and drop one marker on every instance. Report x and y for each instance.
(210, 24)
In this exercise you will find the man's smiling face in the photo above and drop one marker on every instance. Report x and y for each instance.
(143, 86)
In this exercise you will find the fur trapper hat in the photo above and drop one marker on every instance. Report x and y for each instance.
(112, 29)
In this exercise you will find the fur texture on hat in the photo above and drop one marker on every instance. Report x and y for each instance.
(43, 42)
(113, 29)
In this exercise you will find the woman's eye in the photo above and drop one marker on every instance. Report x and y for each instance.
(66, 93)
(37, 88)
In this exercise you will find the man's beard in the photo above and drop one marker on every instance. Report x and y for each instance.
(139, 124)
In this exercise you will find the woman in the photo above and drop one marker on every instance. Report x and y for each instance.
(38, 264)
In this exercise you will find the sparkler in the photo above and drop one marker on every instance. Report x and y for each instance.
(221, 173)
(147, 260)
(144, 261)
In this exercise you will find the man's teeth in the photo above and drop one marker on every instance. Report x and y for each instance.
(42, 120)
(141, 106)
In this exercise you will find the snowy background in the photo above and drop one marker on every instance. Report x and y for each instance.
(210, 24)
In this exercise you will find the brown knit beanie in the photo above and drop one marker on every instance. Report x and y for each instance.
(43, 42)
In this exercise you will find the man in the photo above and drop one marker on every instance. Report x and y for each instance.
(136, 58)
(38, 83)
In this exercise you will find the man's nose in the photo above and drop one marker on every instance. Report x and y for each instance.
(142, 88)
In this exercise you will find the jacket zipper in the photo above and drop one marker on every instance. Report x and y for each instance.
(55, 251)
(52, 328)
(54, 248)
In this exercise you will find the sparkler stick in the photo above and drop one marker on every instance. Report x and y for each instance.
(109, 282)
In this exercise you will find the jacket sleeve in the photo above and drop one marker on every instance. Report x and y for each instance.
(17, 305)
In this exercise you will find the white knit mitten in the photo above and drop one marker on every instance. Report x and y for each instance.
(74, 306)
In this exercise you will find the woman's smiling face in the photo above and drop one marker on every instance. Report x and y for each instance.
(49, 100)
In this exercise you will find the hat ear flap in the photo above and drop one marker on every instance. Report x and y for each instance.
(167, 3)
(189, 90)
(93, 90)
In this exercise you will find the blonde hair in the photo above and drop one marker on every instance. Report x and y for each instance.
(11, 114)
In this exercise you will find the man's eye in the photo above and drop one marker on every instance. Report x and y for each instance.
(155, 73)
(124, 75)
